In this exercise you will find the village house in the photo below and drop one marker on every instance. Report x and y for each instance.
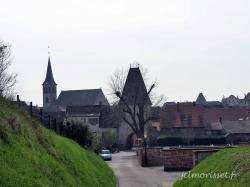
(201, 118)
(99, 119)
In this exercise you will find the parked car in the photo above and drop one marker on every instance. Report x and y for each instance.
(105, 155)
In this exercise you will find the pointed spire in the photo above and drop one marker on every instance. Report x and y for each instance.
(201, 99)
(49, 80)
(135, 88)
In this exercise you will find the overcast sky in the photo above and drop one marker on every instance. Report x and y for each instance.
(189, 46)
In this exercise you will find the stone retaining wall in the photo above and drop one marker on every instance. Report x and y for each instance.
(181, 159)
(153, 156)
(199, 155)
(177, 159)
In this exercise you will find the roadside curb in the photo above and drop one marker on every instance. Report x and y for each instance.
(117, 181)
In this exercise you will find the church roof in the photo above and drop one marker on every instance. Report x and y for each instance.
(49, 80)
(135, 87)
(82, 98)
(201, 99)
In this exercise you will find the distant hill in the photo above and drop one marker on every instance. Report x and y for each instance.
(31, 155)
(235, 161)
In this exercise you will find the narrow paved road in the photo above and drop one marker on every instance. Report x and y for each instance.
(130, 174)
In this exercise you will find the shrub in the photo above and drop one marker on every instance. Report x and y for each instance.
(80, 132)
(3, 134)
(108, 138)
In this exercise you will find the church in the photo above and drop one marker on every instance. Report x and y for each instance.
(88, 106)
(68, 97)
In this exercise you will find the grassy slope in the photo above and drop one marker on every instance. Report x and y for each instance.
(31, 155)
(228, 160)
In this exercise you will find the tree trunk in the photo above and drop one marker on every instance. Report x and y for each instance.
(145, 163)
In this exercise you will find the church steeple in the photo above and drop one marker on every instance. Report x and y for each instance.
(49, 87)
(49, 80)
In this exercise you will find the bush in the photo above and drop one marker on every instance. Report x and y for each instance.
(3, 134)
(186, 140)
(80, 132)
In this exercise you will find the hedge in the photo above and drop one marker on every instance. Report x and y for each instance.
(178, 140)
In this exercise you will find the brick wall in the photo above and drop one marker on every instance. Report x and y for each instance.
(182, 115)
(153, 156)
(177, 159)
(182, 159)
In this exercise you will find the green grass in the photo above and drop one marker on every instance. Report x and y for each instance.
(31, 155)
(235, 160)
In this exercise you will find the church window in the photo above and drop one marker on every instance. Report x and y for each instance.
(47, 100)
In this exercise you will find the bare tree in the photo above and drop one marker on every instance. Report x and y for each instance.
(7, 80)
(117, 80)
(135, 111)
(157, 100)
(136, 116)
(116, 84)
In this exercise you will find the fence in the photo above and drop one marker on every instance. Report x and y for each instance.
(47, 120)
